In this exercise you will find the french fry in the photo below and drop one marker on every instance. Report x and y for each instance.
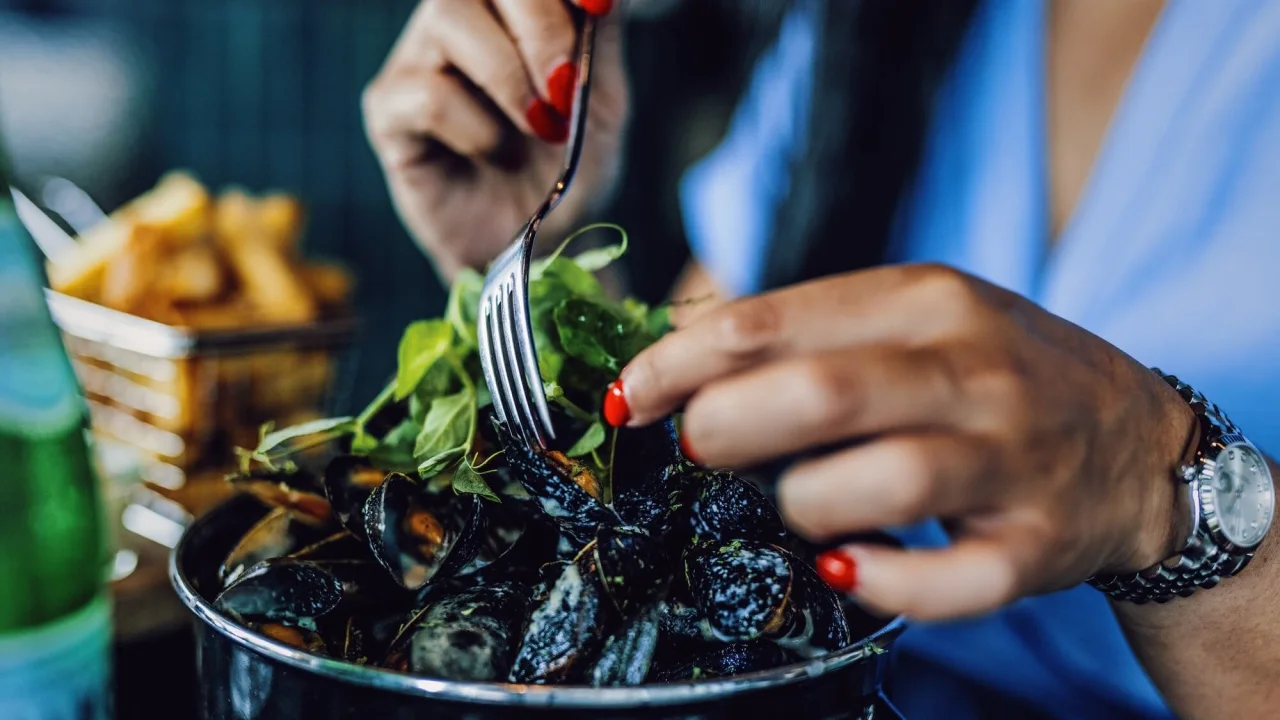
(192, 274)
(129, 274)
(271, 286)
(281, 220)
(330, 283)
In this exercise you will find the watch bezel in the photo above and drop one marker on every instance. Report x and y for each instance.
(1209, 517)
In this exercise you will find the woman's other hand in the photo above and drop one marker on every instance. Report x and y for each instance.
(468, 117)
(918, 392)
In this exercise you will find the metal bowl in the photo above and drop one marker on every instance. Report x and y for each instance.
(247, 676)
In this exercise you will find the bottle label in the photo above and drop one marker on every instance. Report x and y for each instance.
(59, 671)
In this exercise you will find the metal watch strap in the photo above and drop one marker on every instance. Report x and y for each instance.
(1201, 563)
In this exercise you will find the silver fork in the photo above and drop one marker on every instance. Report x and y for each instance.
(505, 335)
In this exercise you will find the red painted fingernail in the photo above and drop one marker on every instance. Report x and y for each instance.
(838, 569)
(687, 450)
(597, 7)
(560, 87)
(546, 122)
(616, 411)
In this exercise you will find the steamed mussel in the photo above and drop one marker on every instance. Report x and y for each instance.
(662, 572)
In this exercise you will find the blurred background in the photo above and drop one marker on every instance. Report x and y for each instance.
(264, 94)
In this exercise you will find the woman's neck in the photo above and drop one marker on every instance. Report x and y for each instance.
(1093, 46)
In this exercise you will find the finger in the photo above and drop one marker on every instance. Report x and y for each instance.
(595, 7)
(544, 34)
(416, 106)
(973, 576)
(476, 45)
(792, 405)
(855, 309)
(896, 480)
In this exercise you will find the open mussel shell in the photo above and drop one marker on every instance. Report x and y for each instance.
(822, 625)
(732, 659)
(725, 507)
(277, 534)
(632, 565)
(742, 588)
(283, 590)
(341, 545)
(567, 629)
(680, 621)
(650, 480)
(415, 542)
(348, 482)
(567, 491)
(296, 490)
(301, 638)
(627, 653)
(471, 635)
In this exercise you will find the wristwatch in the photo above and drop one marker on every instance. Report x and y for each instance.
(1232, 506)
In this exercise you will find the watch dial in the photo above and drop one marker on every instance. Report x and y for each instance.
(1243, 496)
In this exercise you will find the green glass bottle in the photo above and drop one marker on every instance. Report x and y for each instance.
(55, 613)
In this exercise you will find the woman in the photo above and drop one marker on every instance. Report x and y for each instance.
(1051, 181)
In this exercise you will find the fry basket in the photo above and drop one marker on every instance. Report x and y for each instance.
(184, 399)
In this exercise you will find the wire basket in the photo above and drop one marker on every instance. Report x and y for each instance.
(185, 399)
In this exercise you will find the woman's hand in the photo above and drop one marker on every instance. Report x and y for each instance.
(923, 392)
(469, 118)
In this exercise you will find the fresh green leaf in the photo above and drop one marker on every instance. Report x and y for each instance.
(424, 342)
(439, 462)
(590, 440)
(448, 425)
(305, 435)
(597, 335)
(658, 321)
(600, 258)
(395, 450)
(467, 480)
(438, 381)
(464, 304)
(363, 443)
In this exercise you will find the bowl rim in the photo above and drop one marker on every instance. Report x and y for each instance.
(493, 693)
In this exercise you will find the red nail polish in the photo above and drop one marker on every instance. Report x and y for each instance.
(838, 569)
(616, 411)
(687, 450)
(546, 122)
(597, 7)
(560, 87)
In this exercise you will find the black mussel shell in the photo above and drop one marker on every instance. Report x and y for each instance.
(627, 653)
(733, 659)
(566, 490)
(742, 588)
(471, 635)
(298, 637)
(296, 490)
(348, 637)
(726, 507)
(348, 482)
(650, 482)
(282, 590)
(640, 452)
(341, 545)
(566, 630)
(822, 625)
(415, 542)
(633, 566)
(277, 534)
(679, 620)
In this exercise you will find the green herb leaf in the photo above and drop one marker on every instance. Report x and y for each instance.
(424, 342)
(467, 481)
(447, 428)
(464, 304)
(363, 443)
(395, 450)
(305, 435)
(597, 335)
(590, 440)
(439, 462)
(600, 258)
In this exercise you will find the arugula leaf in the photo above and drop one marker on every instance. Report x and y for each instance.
(600, 258)
(597, 335)
(424, 342)
(438, 381)
(448, 426)
(464, 304)
(437, 463)
(590, 440)
(309, 434)
(467, 481)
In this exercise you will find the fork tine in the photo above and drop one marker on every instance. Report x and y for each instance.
(485, 343)
(505, 381)
(533, 371)
(519, 378)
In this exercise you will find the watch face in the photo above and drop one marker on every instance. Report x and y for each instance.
(1243, 495)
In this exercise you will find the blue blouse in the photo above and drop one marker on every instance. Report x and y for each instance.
(1172, 254)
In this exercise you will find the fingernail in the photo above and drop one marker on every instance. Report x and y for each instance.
(839, 570)
(616, 411)
(546, 122)
(597, 7)
(687, 450)
(560, 87)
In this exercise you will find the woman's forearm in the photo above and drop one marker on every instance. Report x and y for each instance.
(1216, 654)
